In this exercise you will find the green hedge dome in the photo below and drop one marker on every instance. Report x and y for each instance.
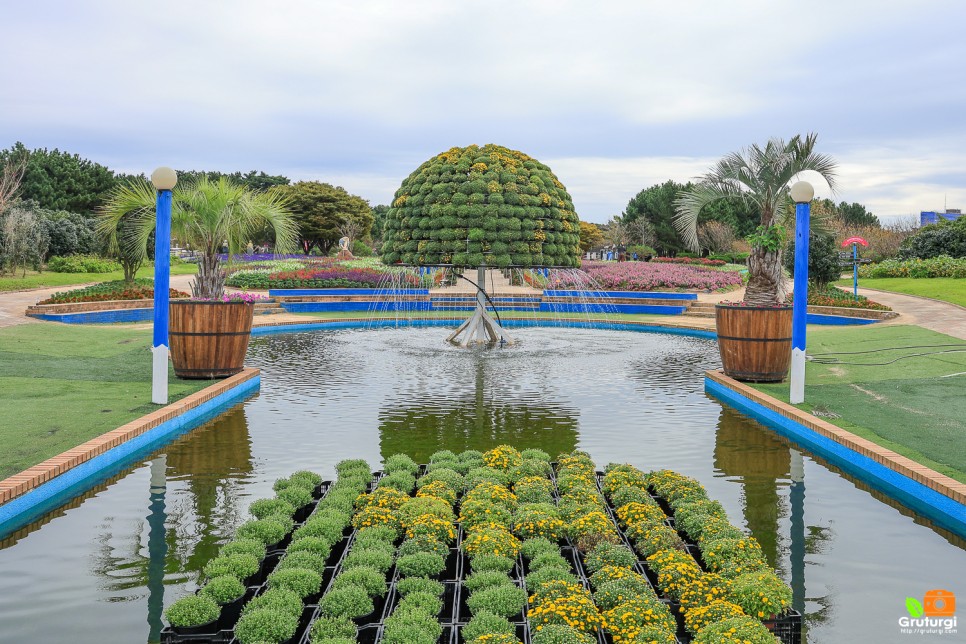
(482, 205)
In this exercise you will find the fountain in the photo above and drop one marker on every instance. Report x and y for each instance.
(482, 207)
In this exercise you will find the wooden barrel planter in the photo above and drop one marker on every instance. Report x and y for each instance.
(209, 339)
(755, 343)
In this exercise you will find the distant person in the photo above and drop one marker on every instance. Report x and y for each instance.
(635, 257)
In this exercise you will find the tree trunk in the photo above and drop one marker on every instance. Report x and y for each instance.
(209, 284)
(766, 284)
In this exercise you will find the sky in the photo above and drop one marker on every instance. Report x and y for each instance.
(614, 96)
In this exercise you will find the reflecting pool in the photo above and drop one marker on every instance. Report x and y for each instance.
(101, 568)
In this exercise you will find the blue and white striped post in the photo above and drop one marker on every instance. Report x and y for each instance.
(164, 179)
(802, 193)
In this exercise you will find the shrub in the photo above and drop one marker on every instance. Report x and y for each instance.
(402, 481)
(296, 495)
(503, 600)
(700, 616)
(737, 629)
(705, 589)
(502, 457)
(761, 594)
(531, 548)
(538, 520)
(486, 579)
(423, 543)
(428, 525)
(409, 585)
(224, 589)
(384, 497)
(483, 563)
(625, 621)
(716, 528)
(486, 623)
(608, 554)
(549, 559)
(656, 538)
(349, 602)
(316, 545)
(376, 536)
(420, 564)
(823, 258)
(613, 593)
(940, 266)
(481, 474)
(276, 599)
(240, 566)
(676, 571)
(411, 627)
(528, 468)
(332, 628)
(193, 610)
(491, 493)
(933, 240)
(377, 559)
(629, 494)
(352, 467)
(728, 554)
(533, 489)
(301, 581)
(400, 462)
(451, 478)
(427, 602)
(376, 516)
(302, 559)
(550, 573)
(269, 531)
(82, 264)
(265, 625)
(491, 541)
(266, 507)
(575, 610)
(439, 490)
(560, 634)
(306, 478)
(369, 580)
(477, 512)
(252, 547)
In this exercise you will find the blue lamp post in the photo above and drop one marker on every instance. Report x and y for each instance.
(164, 179)
(802, 193)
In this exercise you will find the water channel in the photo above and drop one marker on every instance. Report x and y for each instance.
(101, 569)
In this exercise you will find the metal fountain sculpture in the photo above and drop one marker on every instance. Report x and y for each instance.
(484, 207)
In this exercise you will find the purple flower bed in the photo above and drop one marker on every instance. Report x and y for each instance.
(263, 257)
(645, 276)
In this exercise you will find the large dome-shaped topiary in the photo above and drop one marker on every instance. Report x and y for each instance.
(478, 206)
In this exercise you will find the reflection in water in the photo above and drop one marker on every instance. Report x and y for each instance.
(479, 419)
(157, 548)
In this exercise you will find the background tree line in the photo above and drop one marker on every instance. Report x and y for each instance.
(49, 200)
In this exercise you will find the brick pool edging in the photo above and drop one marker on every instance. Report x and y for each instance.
(31, 492)
(937, 496)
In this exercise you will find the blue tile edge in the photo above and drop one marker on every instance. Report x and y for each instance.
(29, 506)
(369, 324)
(938, 507)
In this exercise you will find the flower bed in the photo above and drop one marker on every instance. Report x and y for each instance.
(141, 289)
(942, 266)
(833, 296)
(649, 276)
(692, 261)
(487, 547)
(327, 273)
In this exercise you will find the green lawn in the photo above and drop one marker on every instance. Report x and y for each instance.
(914, 405)
(48, 279)
(947, 289)
(62, 385)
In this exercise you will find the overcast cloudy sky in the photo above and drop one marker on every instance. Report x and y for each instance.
(613, 96)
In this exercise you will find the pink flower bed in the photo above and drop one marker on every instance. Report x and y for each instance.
(647, 276)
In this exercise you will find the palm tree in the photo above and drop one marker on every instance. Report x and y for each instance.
(761, 177)
(205, 214)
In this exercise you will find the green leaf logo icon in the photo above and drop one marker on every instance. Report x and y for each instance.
(914, 607)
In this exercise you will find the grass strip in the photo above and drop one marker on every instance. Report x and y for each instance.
(913, 405)
(945, 289)
(62, 385)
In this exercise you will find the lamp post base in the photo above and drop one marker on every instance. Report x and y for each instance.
(159, 375)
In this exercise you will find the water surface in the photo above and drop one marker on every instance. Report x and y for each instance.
(102, 568)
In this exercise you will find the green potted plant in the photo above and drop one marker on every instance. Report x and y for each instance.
(754, 336)
(208, 334)
(351, 602)
(266, 625)
(504, 600)
(737, 629)
(229, 593)
(326, 629)
(193, 615)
